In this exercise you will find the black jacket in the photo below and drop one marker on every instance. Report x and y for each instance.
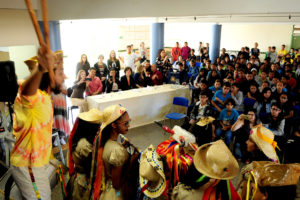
(124, 83)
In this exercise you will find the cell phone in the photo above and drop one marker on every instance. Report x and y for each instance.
(88, 79)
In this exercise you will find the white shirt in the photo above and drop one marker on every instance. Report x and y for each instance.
(129, 60)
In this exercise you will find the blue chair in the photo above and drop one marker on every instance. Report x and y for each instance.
(249, 103)
(178, 101)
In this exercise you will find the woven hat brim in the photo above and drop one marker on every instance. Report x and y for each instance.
(203, 167)
(264, 146)
(156, 191)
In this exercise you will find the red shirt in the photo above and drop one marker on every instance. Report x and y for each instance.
(176, 51)
(158, 80)
(292, 82)
(95, 85)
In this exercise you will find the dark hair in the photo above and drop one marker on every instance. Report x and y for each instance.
(85, 130)
(180, 64)
(45, 82)
(226, 84)
(204, 93)
(92, 68)
(107, 131)
(204, 81)
(230, 100)
(277, 104)
(236, 85)
(266, 82)
(159, 51)
(266, 89)
(126, 69)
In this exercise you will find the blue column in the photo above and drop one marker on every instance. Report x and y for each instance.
(214, 49)
(54, 36)
(157, 40)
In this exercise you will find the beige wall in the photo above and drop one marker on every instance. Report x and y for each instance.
(79, 9)
(16, 28)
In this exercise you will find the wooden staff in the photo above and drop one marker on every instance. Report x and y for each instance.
(39, 33)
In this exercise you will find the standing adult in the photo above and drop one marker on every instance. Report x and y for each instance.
(83, 64)
(33, 117)
(142, 52)
(129, 58)
(282, 52)
(101, 70)
(113, 62)
(163, 64)
(94, 84)
(176, 51)
(185, 51)
(77, 98)
(255, 51)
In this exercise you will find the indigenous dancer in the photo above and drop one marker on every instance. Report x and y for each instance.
(32, 128)
(111, 163)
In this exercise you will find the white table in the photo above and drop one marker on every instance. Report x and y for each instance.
(144, 105)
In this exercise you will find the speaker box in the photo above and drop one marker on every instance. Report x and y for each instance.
(8, 81)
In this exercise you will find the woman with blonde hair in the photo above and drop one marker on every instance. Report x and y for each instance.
(83, 64)
(113, 62)
(77, 98)
(139, 77)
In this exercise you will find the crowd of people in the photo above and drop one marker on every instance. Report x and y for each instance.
(241, 109)
(233, 85)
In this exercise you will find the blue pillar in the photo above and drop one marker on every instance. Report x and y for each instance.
(54, 36)
(157, 40)
(214, 49)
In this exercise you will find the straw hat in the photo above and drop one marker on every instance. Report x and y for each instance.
(111, 114)
(151, 169)
(216, 161)
(272, 174)
(31, 62)
(264, 139)
(181, 135)
(94, 116)
(205, 120)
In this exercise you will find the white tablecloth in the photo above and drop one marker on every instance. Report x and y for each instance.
(144, 105)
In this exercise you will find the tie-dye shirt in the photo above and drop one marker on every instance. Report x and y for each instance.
(32, 127)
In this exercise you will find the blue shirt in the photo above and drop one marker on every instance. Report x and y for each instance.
(194, 71)
(213, 89)
(219, 94)
(228, 119)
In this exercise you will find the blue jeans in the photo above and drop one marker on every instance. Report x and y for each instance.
(228, 135)
(237, 150)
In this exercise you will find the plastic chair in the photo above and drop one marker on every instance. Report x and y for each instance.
(178, 101)
(71, 108)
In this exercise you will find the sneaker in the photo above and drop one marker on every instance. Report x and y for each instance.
(62, 141)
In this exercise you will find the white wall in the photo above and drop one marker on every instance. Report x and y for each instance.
(20, 53)
(90, 37)
(234, 36)
(193, 33)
